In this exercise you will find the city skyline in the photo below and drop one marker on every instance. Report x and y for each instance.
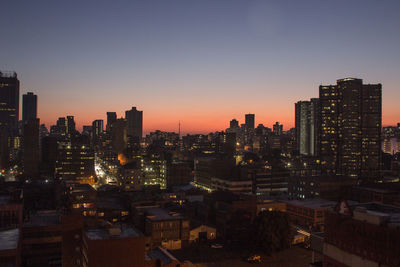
(202, 64)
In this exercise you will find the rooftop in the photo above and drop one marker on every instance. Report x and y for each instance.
(162, 254)
(103, 233)
(315, 203)
(43, 218)
(391, 214)
(9, 239)
(159, 214)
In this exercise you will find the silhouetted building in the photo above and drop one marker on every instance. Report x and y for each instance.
(111, 118)
(31, 154)
(4, 149)
(119, 136)
(9, 101)
(70, 125)
(29, 106)
(134, 119)
(97, 130)
(249, 121)
(234, 124)
(49, 154)
(351, 120)
(277, 128)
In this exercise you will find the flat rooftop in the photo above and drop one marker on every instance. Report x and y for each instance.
(9, 239)
(315, 203)
(102, 233)
(161, 254)
(380, 210)
(43, 218)
(159, 214)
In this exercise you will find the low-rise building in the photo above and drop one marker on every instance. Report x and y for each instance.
(308, 214)
(362, 235)
(121, 246)
(167, 229)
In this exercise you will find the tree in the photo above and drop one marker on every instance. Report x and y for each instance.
(272, 231)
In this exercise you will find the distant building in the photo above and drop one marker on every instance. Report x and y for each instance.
(119, 136)
(31, 152)
(97, 130)
(249, 121)
(134, 119)
(29, 106)
(71, 125)
(9, 99)
(278, 128)
(75, 160)
(307, 126)
(111, 118)
(234, 124)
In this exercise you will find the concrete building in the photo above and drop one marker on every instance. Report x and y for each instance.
(307, 126)
(31, 152)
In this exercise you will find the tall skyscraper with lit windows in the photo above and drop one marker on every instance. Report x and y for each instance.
(350, 132)
(9, 101)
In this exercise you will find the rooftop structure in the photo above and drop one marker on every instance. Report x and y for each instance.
(112, 233)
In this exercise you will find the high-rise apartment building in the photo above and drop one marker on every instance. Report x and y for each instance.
(134, 119)
(29, 106)
(249, 121)
(111, 118)
(307, 125)
(9, 101)
(350, 132)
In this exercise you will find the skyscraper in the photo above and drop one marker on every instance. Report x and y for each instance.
(134, 119)
(111, 118)
(351, 120)
(249, 121)
(31, 155)
(29, 106)
(70, 125)
(97, 129)
(9, 101)
(306, 126)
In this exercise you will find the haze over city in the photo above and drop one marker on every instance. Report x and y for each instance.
(200, 62)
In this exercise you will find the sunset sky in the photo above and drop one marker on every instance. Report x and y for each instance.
(201, 62)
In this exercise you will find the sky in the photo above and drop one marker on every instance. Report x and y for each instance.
(202, 63)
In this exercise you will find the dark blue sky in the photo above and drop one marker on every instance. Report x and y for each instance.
(196, 60)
